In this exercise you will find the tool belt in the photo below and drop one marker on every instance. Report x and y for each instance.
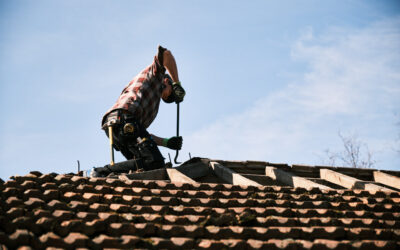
(115, 117)
(127, 130)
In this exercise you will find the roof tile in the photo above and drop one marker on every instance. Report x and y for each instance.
(91, 227)
(15, 212)
(65, 227)
(123, 190)
(13, 202)
(129, 241)
(44, 223)
(50, 194)
(61, 215)
(24, 248)
(78, 205)
(256, 244)
(120, 208)
(76, 240)
(57, 205)
(32, 203)
(84, 188)
(46, 178)
(210, 244)
(98, 207)
(105, 241)
(108, 217)
(11, 183)
(136, 213)
(87, 216)
(29, 184)
(91, 197)
(182, 242)
(9, 192)
(145, 229)
(78, 179)
(36, 193)
(102, 189)
(116, 229)
(50, 239)
(66, 187)
(36, 173)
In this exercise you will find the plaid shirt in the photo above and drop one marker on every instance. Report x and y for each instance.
(141, 97)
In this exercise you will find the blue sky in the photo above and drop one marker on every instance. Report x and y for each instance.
(266, 80)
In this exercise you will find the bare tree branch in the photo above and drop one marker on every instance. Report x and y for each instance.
(355, 154)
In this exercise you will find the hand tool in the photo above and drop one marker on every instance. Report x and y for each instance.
(177, 132)
(110, 134)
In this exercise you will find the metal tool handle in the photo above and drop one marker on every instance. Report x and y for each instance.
(110, 134)
(177, 132)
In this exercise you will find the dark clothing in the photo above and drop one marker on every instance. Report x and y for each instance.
(136, 145)
(138, 106)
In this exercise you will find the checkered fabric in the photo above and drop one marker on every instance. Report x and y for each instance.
(142, 95)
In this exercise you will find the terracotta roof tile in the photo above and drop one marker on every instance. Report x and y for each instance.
(65, 187)
(87, 216)
(98, 207)
(129, 241)
(20, 237)
(116, 229)
(101, 189)
(50, 239)
(78, 205)
(210, 244)
(24, 248)
(69, 211)
(90, 197)
(46, 178)
(50, 194)
(77, 240)
(91, 227)
(15, 212)
(61, 215)
(64, 228)
(57, 205)
(45, 223)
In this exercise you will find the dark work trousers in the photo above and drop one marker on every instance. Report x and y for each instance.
(137, 145)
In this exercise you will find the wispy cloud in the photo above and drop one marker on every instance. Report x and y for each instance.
(353, 82)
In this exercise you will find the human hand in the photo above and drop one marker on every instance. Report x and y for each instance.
(179, 92)
(173, 142)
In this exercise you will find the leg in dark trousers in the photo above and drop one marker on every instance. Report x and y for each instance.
(137, 145)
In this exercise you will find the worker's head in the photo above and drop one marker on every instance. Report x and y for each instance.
(167, 94)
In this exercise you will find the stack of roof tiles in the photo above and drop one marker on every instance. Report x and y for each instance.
(70, 211)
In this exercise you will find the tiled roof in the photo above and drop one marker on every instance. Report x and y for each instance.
(205, 204)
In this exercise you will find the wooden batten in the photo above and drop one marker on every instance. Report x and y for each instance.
(291, 180)
(176, 176)
(230, 176)
(350, 182)
(387, 179)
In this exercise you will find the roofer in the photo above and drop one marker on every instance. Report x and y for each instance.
(135, 110)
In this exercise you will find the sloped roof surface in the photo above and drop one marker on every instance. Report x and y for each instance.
(181, 210)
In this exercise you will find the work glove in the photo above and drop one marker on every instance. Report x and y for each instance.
(179, 92)
(173, 142)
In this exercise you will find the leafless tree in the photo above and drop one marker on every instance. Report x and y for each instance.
(355, 153)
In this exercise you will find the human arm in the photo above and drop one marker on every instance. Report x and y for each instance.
(166, 58)
(170, 64)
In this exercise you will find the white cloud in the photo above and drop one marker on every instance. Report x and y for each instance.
(353, 81)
